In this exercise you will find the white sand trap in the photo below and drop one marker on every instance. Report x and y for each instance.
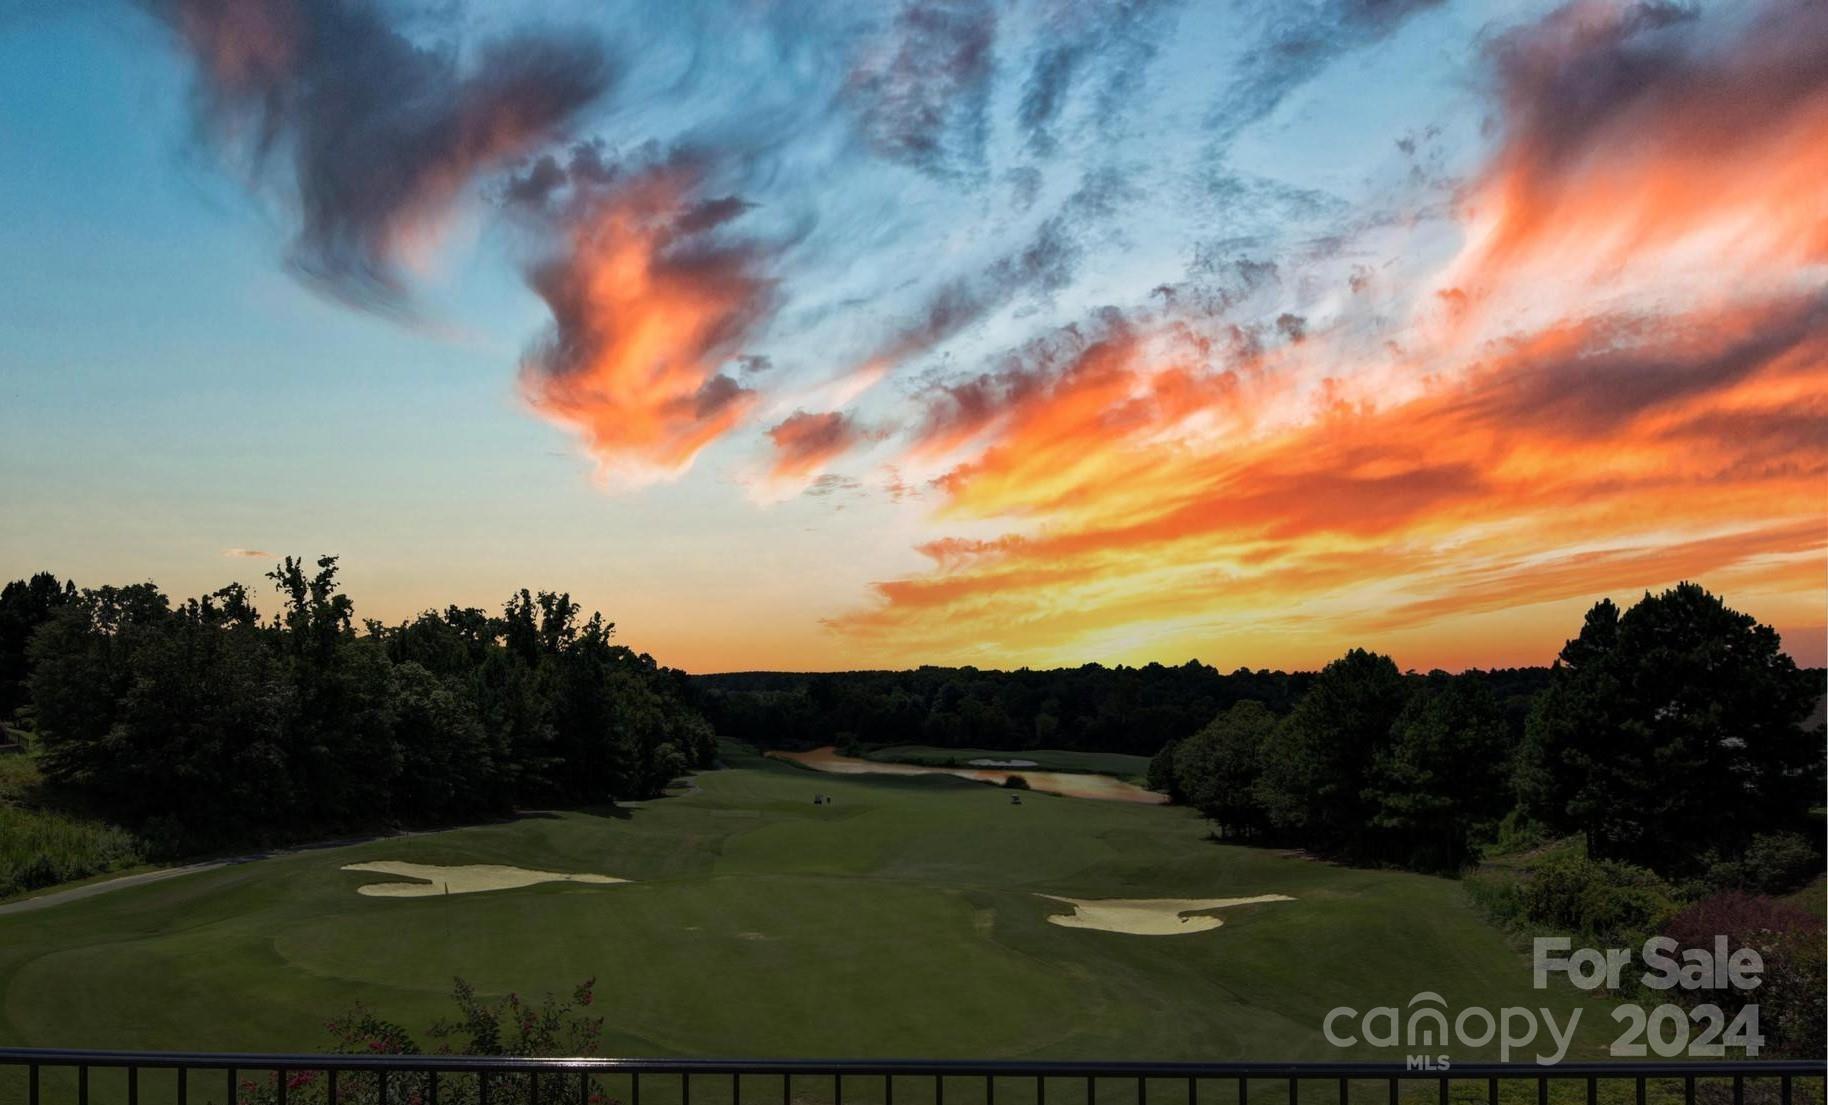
(1148, 916)
(473, 878)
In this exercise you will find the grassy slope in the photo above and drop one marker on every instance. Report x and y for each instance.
(897, 921)
(1046, 759)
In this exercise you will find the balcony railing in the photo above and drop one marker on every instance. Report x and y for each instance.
(36, 1077)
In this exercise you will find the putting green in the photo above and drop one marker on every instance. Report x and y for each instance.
(903, 919)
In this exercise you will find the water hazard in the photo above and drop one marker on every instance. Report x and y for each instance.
(1072, 784)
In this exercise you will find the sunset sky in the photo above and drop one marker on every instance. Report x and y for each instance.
(1002, 332)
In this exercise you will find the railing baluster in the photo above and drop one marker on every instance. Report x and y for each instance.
(939, 1089)
(837, 1088)
(183, 1086)
(1243, 1089)
(1344, 1094)
(583, 1088)
(330, 1085)
(533, 1088)
(31, 1083)
(1294, 1095)
(82, 1085)
(1491, 1092)
(482, 1088)
(1688, 1090)
(431, 1087)
(736, 1089)
(1785, 1089)
(1542, 1090)
(230, 1086)
(1393, 1091)
(380, 1084)
(1640, 1089)
(685, 1088)
(1442, 1097)
(279, 1086)
(1592, 1090)
(786, 1088)
(133, 1086)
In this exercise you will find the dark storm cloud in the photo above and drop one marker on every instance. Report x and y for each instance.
(370, 135)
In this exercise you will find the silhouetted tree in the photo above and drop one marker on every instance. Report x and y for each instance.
(1670, 731)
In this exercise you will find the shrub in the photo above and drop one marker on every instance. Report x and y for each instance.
(1606, 901)
(552, 1026)
(40, 848)
(1772, 864)
(1793, 992)
(1016, 782)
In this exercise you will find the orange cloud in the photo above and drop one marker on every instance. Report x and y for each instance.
(805, 443)
(648, 305)
(1629, 391)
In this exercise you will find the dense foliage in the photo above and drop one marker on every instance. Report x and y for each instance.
(201, 724)
(555, 1026)
(1090, 708)
(1792, 994)
(1672, 737)
(1672, 731)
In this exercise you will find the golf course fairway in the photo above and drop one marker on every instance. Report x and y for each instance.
(904, 918)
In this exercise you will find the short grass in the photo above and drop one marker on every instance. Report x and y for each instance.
(1133, 768)
(899, 920)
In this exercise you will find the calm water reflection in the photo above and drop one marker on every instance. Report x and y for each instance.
(1070, 784)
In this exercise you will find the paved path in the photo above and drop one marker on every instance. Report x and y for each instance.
(90, 890)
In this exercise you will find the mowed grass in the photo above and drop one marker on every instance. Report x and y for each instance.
(1045, 759)
(900, 920)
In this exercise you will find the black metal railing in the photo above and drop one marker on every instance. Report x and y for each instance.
(41, 1076)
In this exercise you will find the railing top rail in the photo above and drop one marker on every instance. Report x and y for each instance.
(254, 1061)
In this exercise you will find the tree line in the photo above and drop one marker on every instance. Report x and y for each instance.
(200, 723)
(1088, 708)
(1673, 736)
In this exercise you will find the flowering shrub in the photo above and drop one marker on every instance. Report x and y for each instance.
(552, 1026)
(1793, 993)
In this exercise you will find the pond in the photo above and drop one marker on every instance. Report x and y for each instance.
(1071, 784)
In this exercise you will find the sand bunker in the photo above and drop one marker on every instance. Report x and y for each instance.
(1001, 763)
(471, 878)
(1148, 916)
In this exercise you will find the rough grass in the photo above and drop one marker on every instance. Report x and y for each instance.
(41, 846)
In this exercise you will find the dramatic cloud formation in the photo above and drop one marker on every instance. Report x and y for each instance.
(1580, 406)
(920, 89)
(1174, 334)
(805, 443)
(1636, 141)
(379, 134)
(651, 298)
